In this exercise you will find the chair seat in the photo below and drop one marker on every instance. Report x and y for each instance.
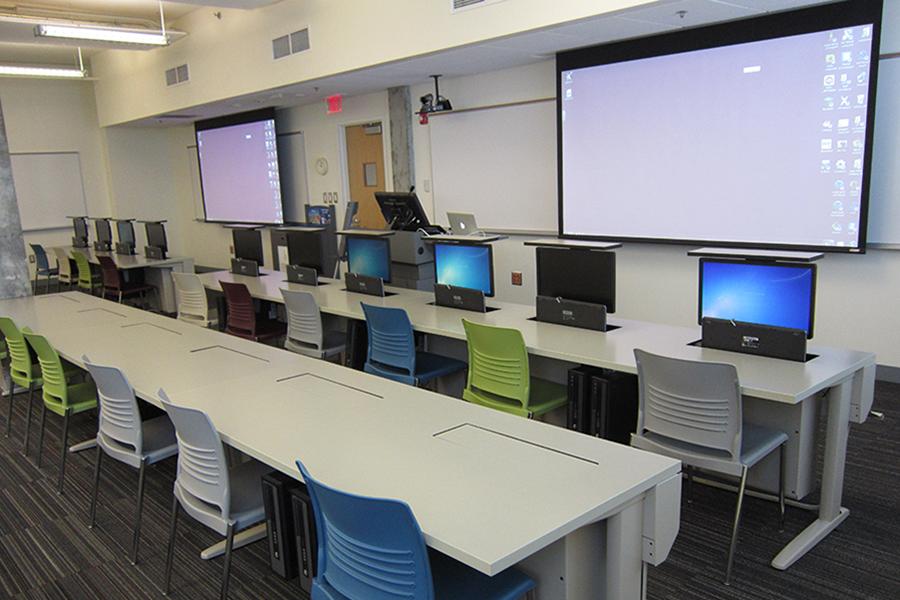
(158, 438)
(430, 366)
(454, 580)
(544, 396)
(48, 272)
(757, 442)
(333, 342)
(82, 397)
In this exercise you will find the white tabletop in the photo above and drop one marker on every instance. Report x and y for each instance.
(487, 488)
(566, 243)
(132, 261)
(762, 377)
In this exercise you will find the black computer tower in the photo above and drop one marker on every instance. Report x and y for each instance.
(579, 390)
(305, 548)
(276, 489)
(357, 344)
(613, 406)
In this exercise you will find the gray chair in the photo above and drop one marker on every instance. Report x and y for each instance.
(305, 334)
(227, 500)
(692, 411)
(124, 437)
(64, 265)
(190, 298)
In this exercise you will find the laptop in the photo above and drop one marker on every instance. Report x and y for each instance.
(463, 223)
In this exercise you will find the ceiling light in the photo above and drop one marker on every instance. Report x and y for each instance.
(26, 71)
(102, 34)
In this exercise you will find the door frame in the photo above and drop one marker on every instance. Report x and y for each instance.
(345, 169)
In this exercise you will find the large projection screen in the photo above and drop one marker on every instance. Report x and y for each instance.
(756, 133)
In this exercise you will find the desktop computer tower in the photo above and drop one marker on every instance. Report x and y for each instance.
(305, 547)
(276, 489)
(613, 406)
(579, 382)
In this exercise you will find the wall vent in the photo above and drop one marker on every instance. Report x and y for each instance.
(291, 43)
(460, 5)
(177, 75)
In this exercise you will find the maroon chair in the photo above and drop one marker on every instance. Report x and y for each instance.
(115, 286)
(242, 319)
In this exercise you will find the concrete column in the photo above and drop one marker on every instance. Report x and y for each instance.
(402, 160)
(14, 281)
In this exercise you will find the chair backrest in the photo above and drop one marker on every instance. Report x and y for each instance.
(498, 361)
(241, 314)
(369, 548)
(202, 469)
(112, 279)
(190, 296)
(40, 257)
(120, 418)
(54, 387)
(690, 401)
(62, 261)
(391, 340)
(85, 278)
(304, 318)
(20, 361)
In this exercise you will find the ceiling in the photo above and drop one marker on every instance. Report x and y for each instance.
(491, 55)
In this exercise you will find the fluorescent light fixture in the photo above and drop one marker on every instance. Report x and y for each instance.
(102, 34)
(26, 71)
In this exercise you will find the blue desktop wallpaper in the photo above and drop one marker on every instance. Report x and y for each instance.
(763, 294)
(464, 266)
(369, 257)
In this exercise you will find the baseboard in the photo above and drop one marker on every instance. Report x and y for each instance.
(887, 373)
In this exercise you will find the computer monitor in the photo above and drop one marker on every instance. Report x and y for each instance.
(104, 231)
(305, 249)
(80, 226)
(156, 235)
(319, 215)
(125, 231)
(577, 274)
(465, 265)
(402, 210)
(369, 256)
(248, 245)
(765, 293)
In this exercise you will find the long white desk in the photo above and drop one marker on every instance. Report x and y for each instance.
(582, 515)
(157, 271)
(777, 393)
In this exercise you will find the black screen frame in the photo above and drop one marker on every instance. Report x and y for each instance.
(767, 263)
(148, 230)
(547, 252)
(80, 223)
(796, 22)
(244, 244)
(490, 250)
(415, 213)
(128, 226)
(103, 229)
(298, 242)
(381, 240)
(253, 116)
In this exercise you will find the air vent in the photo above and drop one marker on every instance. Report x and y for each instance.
(459, 5)
(290, 44)
(177, 75)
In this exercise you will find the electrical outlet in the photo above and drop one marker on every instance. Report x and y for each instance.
(31, 258)
(517, 277)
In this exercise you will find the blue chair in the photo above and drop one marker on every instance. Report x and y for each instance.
(42, 266)
(373, 549)
(392, 349)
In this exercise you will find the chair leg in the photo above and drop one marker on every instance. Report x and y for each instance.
(9, 412)
(28, 418)
(737, 524)
(34, 285)
(690, 483)
(96, 487)
(137, 512)
(170, 556)
(41, 435)
(62, 454)
(781, 477)
(226, 570)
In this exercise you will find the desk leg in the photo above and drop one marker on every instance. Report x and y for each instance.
(624, 554)
(831, 513)
(247, 536)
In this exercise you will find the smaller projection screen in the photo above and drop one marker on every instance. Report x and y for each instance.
(239, 173)
(753, 133)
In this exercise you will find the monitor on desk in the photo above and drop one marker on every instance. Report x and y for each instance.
(319, 215)
(305, 249)
(465, 265)
(369, 256)
(125, 231)
(577, 274)
(248, 244)
(156, 235)
(763, 293)
(104, 231)
(80, 226)
(402, 211)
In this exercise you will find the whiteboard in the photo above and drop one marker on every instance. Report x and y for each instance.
(48, 188)
(498, 164)
(884, 195)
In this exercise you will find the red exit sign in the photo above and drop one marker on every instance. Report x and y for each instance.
(335, 103)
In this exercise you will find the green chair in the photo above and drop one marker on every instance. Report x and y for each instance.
(499, 375)
(60, 397)
(87, 279)
(22, 371)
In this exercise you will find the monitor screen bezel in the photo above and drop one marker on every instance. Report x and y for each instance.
(240, 230)
(162, 228)
(766, 263)
(316, 234)
(490, 250)
(772, 26)
(129, 227)
(104, 225)
(610, 308)
(367, 238)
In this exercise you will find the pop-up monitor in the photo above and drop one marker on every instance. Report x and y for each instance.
(305, 249)
(773, 294)
(248, 245)
(156, 235)
(465, 265)
(80, 227)
(104, 231)
(369, 256)
(577, 274)
(125, 231)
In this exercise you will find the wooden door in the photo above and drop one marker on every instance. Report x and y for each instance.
(365, 165)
